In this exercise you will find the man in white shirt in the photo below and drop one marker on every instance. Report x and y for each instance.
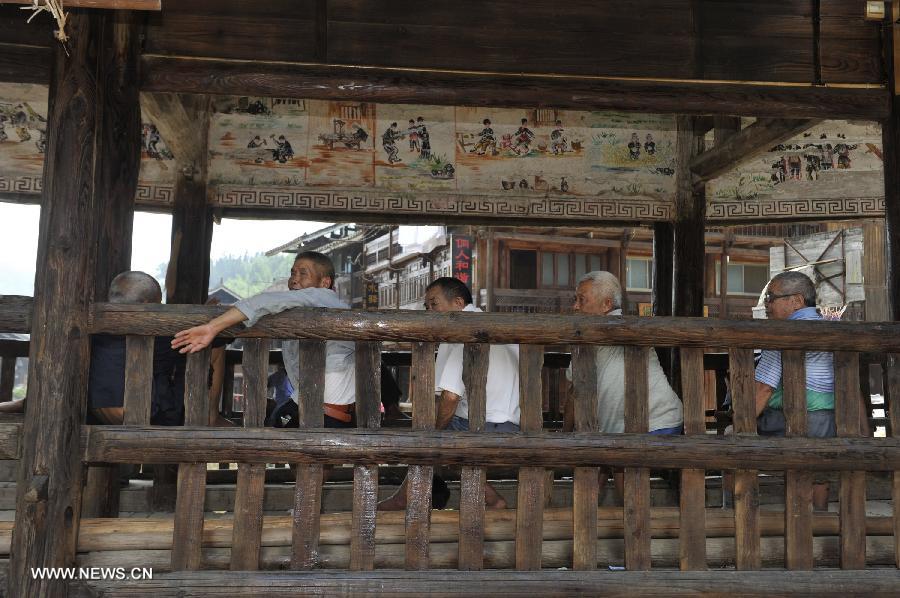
(600, 293)
(502, 389)
(311, 285)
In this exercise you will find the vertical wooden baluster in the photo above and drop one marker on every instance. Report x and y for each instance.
(365, 477)
(637, 479)
(692, 532)
(101, 490)
(798, 537)
(418, 490)
(530, 499)
(188, 532)
(308, 486)
(472, 479)
(585, 492)
(892, 405)
(251, 482)
(138, 379)
(746, 484)
(848, 403)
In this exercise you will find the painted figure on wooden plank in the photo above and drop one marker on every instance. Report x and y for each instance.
(424, 139)
(389, 142)
(487, 142)
(412, 133)
(522, 139)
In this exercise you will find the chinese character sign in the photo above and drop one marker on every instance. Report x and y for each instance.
(461, 258)
(371, 300)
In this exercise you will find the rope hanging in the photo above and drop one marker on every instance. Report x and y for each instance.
(55, 8)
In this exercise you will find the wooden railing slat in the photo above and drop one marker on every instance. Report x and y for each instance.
(419, 478)
(365, 477)
(138, 379)
(692, 533)
(746, 484)
(637, 479)
(248, 500)
(308, 483)
(892, 404)
(473, 479)
(847, 407)
(530, 499)
(504, 328)
(798, 537)
(586, 489)
(191, 493)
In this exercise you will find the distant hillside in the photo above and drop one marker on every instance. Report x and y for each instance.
(248, 274)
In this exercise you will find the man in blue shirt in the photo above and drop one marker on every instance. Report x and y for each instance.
(792, 296)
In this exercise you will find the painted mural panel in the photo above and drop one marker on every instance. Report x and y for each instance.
(415, 148)
(834, 159)
(259, 141)
(23, 136)
(341, 144)
(564, 152)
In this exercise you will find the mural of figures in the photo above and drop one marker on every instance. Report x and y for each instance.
(23, 130)
(342, 143)
(832, 160)
(419, 154)
(260, 141)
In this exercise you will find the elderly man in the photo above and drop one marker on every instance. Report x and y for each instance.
(502, 388)
(599, 293)
(792, 296)
(311, 285)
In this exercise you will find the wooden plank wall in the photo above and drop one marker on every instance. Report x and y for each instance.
(764, 40)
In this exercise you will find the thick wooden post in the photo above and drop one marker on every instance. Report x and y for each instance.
(88, 106)
(183, 123)
(690, 216)
(890, 133)
(661, 287)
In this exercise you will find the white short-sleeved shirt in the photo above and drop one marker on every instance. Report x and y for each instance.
(502, 388)
(340, 364)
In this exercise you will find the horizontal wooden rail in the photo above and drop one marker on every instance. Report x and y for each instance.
(538, 329)
(883, 582)
(132, 444)
(15, 313)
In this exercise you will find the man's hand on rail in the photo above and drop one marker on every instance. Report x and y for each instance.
(199, 337)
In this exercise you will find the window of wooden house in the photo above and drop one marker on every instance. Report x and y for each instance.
(743, 279)
(523, 268)
(638, 274)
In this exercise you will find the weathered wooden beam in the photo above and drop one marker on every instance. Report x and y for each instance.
(744, 145)
(10, 440)
(106, 4)
(21, 63)
(502, 328)
(100, 535)
(690, 224)
(15, 313)
(123, 444)
(86, 101)
(183, 123)
(455, 88)
(879, 582)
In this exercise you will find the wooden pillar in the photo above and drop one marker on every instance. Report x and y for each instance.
(491, 270)
(723, 274)
(890, 131)
(690, 216)
(183, 123)
(89, 105)
(661, 287)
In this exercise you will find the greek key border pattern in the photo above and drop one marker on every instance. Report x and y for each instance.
(21, 184)
(440, 204)
(155, 194)
(795, 208)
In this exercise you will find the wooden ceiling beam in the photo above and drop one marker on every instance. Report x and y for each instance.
(107, 4)
(466, 88)
(750, 141)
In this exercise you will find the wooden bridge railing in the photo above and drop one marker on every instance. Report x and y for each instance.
(531, 451)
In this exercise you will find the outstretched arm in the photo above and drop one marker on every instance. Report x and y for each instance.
(199, 337)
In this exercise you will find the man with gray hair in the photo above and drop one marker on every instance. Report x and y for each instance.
(792, 296)
(599, 293)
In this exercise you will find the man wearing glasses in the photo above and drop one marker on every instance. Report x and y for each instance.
(792, 296)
